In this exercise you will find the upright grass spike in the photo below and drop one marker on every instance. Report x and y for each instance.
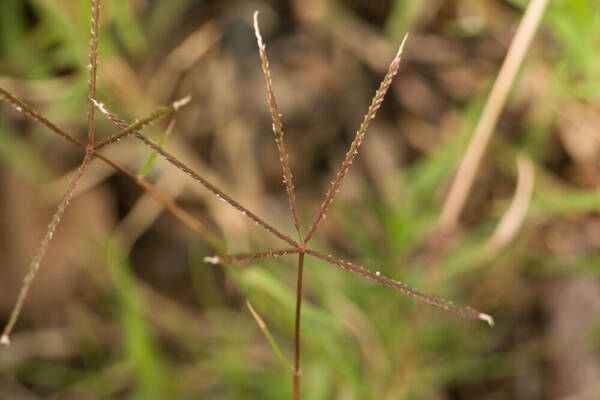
(93, 67)
(377, 277)
(277, 127)
(34, 266)
(360, 134)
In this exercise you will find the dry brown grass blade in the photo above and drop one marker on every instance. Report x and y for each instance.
(360, 134)
(485, 127)
(513, 218)
(277, 127)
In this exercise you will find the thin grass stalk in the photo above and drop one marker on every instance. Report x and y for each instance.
(469, 164)
(360, 134)
(134, 128)
(220, 194)
(296, 377)
(21, 106)
(277, 127)
(265, 330)
(250, 256)
(34, 266)
(377, 277)
(152, 157)
(93, 67)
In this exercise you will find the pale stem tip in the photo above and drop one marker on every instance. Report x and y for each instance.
(257, 31)
(182, 102)
(212, 260)
(486, 318)
(5, 340)
(100, 106)
(401, 48)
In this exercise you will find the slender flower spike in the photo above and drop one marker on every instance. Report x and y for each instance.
(34, 266)
(360, 135)
(93, 67)
(379, 278)
(277, 126)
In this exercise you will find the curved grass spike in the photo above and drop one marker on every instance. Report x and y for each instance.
(277, 127)
(377, 277)
(360, 134)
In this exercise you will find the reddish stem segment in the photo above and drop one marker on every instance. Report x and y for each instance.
(297, 326)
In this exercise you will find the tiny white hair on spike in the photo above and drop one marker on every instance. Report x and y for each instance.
(100, 106)
(486, 318)
(257, 31)
(182, 102)
(212, 260)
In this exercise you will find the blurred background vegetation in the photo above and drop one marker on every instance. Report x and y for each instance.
(125, 308)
